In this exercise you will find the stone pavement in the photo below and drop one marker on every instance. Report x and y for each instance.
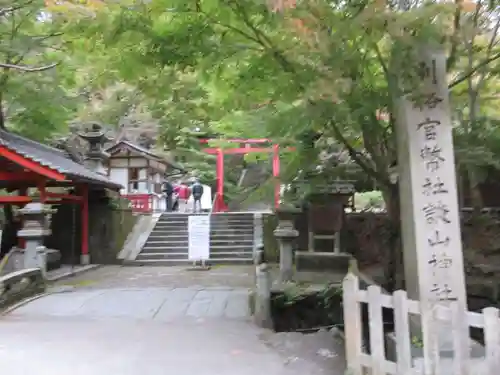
(151, 293)
(154, 320)
(170, 277)
(118, 346)
(157, 304)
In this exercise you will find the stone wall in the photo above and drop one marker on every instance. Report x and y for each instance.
(19, 285)
(365, 236)
(108, 230)
(271, 249)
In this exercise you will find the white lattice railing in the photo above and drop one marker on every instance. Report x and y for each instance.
(452, 318)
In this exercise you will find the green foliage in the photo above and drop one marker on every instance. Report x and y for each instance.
(239, 69)
(37, 107)
(369, 200)
(34, 99)
(316, 76)
(417, 342)
(329, 297)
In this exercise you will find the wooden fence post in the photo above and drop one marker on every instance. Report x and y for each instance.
(492, 339)
(376, 324)
(430, 339)
(435, 318)
(262, 303)
(352, 322)
(402, 328)
(460, 332)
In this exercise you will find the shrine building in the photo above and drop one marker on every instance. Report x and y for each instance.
(141, 173)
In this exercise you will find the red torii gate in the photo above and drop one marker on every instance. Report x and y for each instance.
(219, 204)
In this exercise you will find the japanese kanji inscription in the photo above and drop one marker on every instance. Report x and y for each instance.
(434, 199)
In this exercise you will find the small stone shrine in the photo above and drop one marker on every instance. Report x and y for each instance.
(325, 218)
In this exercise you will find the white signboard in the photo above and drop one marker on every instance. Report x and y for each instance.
(199, 237)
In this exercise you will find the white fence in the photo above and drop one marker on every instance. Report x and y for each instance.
(457, 321)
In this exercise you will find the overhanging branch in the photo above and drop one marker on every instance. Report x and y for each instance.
(358, 158)
(27, 68)
(474, 70)
(11, 9)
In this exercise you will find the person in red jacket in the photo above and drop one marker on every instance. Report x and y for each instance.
(184, 194)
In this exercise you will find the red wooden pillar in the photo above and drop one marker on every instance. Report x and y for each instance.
(21, 242)
(220, 172)
(276, 175)
(42, 192)
(219, 204)
(85, 258)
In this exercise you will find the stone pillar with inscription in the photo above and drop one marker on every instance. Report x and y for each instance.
(429, 201)
(432, 245)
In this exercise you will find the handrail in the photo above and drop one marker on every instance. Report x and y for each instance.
(213, 204)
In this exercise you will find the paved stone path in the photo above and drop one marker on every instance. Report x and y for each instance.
(158, 304)
(152, 293)
(170, 277)
(152, 320)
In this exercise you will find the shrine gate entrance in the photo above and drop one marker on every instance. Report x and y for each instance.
(247, 148)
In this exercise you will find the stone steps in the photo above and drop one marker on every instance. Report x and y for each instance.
(164, 250)
(244, 255)
(162, 256)
(180, 262)
(231, 240)
(184, 255)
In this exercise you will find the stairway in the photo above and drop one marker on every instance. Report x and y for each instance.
(231, 240)
(256, 176)
(168, 242)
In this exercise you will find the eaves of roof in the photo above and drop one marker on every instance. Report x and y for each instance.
(53, 158)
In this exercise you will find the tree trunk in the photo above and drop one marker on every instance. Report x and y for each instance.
(475, 192)
(393, 265)
(2, 116)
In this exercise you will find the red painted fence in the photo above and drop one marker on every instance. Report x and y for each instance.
(140, 202)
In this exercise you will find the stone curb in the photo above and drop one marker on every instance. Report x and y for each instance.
(74, 272)
(21, 303)
(61, 276)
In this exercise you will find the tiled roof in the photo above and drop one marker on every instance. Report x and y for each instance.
(52, 158)
(140, 149)
(147, 152)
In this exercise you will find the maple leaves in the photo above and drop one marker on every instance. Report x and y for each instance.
(281, 5)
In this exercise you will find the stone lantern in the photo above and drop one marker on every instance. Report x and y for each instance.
(286, 235)
(95, 156)
(36, 226)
